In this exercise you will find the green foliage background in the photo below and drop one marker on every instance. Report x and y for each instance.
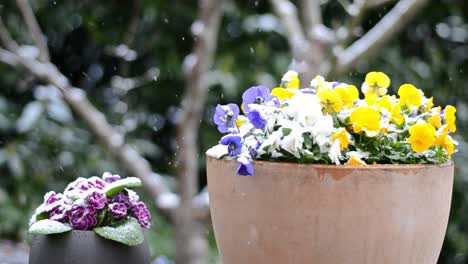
(43, 145)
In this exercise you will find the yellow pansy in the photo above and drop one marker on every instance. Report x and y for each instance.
(375, 85)
(330, 100)
(355, 161)
(348, 94)
(377, 79)
(394, 110)
(317, 83)
(290, 80)
(410, 95)
(396, 115)
(435, 120)
(422, 137)
(385, 103)
(429, 104)
(365, 119)
(450, 117)
(444, 140)
(283, 93)
(342, 136)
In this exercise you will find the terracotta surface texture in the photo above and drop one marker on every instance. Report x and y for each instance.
(85, 247)
(296, 213)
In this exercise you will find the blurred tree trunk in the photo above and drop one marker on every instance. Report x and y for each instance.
(191, 242)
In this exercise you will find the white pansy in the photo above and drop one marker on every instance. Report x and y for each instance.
(292, 143)
(217, 151)
(322, 132)
(305, 109)
(271, 143)
(335, 152)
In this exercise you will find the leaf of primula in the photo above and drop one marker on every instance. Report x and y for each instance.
(117, 186)
(127, 232)
(47, 227)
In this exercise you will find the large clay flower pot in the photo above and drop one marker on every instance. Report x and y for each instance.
(84, 247)
(298, 213)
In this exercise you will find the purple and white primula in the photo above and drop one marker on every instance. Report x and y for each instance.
(103, 204)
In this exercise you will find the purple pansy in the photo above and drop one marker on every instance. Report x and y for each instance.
(224, 116)
(109, 177)
(141, 213)
(96, 198)
(257, 119)
(308, 91)
(233, 143)
(83, 217)
(118, 210)
(245, 167)
(258, 95)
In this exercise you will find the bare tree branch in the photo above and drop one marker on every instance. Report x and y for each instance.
(5, 38)
(377, 3)
(135, 18)
(132, 30)
(76, 98)
(33, 26)
(357, 10)
(298, 42)
(375, 38)
(311, 13)
(190, 241)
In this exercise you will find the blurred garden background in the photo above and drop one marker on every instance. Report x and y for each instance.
(132, 59)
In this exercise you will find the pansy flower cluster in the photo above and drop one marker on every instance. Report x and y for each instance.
(94, 202)
(329, 123)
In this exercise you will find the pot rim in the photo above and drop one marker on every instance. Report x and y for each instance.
(449, 163)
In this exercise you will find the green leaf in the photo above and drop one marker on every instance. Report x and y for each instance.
(119, 185)
(127, 232)
(47, 227)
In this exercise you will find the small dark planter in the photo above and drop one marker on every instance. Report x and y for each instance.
(84, 247)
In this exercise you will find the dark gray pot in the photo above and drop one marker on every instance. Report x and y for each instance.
(84, 247)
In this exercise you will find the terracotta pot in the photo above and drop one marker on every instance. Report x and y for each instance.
(298, 213)
(84, 247)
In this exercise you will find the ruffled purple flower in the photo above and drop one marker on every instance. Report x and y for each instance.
(76, 188)
(118, 210)
(133, 198)
(52, 200)
(233, 143)
(257, 119)
(245, 167)
(258, 95)
(60, 213)
(109, 177)
(96, 198)
(224, 116)
(96, 182)
(141, 213)
(83, 217)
